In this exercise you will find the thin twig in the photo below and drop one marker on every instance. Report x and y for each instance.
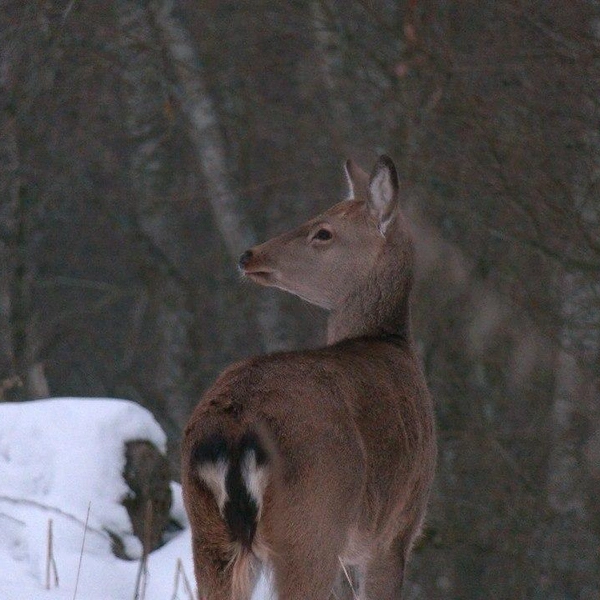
(186, 581)
(176, 583)
(48, 554)
(17, 521)
(142, 576)
(81, 554)
(147, 542)
(179, 571)
(138, 579)
(55, 510)
(54, 570)
(51, 567)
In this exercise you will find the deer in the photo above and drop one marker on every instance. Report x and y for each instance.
(316, 465)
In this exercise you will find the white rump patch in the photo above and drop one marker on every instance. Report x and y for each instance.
(382, 227)
(214, 474)
(265, 586)
(255, 477)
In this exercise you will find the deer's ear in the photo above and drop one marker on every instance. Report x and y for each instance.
(383, 192)
(358, 180)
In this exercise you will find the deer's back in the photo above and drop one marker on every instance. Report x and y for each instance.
(354, 419)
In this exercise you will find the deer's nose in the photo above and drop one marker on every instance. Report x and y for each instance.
(245, 259)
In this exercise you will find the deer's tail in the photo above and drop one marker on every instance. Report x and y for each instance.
(236, 471)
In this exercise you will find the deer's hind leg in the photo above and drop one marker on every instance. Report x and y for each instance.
(384, 575)
(305, 561)
(223, 570)
(297, 578)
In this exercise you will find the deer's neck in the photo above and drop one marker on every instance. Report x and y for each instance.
(379, 307)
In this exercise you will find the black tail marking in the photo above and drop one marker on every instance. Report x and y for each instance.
(237, 503)
(212, 449)
(241, 509)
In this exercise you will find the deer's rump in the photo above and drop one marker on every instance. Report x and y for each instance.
(235, 471)
(318, 443)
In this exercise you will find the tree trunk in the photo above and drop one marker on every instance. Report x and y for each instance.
(206, 135)
(21, 370)
(9, 193)
(150, 174)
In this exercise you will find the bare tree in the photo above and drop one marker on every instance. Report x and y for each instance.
(23, 79)
(210, 147)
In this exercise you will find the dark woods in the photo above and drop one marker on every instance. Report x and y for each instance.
(145, 145)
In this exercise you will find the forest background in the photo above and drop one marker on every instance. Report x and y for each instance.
(145, 144)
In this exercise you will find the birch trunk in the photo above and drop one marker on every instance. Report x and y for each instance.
(206, 135)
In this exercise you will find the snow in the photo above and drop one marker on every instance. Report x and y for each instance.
(58, 458)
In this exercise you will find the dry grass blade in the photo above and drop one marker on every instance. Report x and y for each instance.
(354, 594)
(186, 582)
(48, 554)
(180, 573)
(176, 583)
(142, 576)
(50, 560)
(53, 509)
(87, 518)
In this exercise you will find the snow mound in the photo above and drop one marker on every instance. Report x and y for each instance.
(67, 453)
(57, 458)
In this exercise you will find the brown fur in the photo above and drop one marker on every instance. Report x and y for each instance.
(348, 429)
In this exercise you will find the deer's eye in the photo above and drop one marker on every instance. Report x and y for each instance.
(323, 235)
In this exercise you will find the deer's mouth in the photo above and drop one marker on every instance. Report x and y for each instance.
(260, 275)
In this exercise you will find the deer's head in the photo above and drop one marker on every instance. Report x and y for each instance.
(328, 257)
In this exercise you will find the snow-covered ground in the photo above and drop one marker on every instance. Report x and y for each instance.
(60, 458)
